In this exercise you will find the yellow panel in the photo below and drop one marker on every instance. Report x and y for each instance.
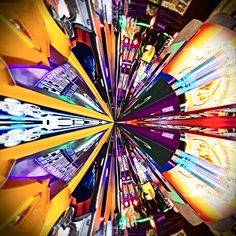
(16, 197)
(34, 221)
(20, 14)
(59, 40)
(14, 42)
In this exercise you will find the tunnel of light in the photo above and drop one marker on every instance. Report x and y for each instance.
(116, 118)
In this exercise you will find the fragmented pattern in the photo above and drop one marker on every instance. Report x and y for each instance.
(105, 130)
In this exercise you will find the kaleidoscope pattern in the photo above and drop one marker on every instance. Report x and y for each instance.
(113, 127)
